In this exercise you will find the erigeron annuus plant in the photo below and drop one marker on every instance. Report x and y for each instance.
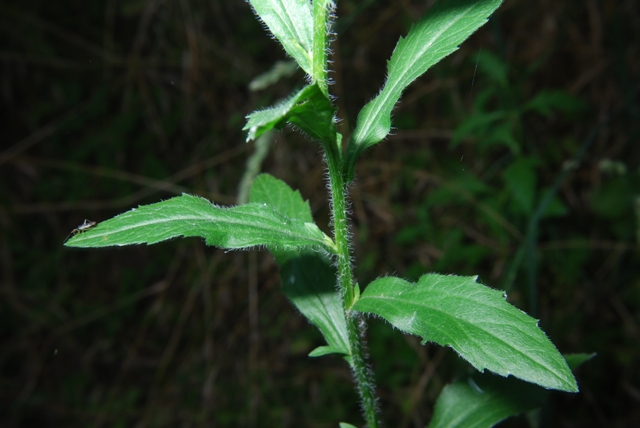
(316, 269)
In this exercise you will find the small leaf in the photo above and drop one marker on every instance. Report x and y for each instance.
(520, 179)
(308, 277)
(447, 24)
(501, 135)
(555, 208)
(493, 66)
(476, 321)
(279, 70)
(614, 198)
(291, 22)
(550, 101)
(476, 124)
(576, 360)
(309, 109)
(324, 350)
(482, 400)
(238, 227)
(346, 425)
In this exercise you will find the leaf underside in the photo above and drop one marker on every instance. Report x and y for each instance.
(308, 109)
(476, 321)
(308, 277)
(238, 227)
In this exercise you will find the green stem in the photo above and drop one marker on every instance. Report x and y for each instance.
(333, 153)
(355, 328)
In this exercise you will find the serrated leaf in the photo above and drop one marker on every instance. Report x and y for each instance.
(308, 277)
(308, 109)
(476, 321)
(482, 400)
(447, 24)
(238, 227)
(291, 22)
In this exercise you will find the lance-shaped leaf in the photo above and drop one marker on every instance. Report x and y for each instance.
(447, 24)
(291, 22)
(482, 400)
(238, 227)
(309, 109)
(476, 321)
(308, 277)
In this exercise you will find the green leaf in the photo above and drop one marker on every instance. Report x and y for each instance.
(308, 277)
(266, 189)
(501, 135)
(614, 198)
(476, 124)
(482, 400)
(309, 109)
(520, 179)
(550, 101)
(309, 281)
(346, 425)
(555, 208)
(238, 227)
(576, 360)
(447, 24)
(280, 69)
(492, 66)
(476, 321)
(291, 22)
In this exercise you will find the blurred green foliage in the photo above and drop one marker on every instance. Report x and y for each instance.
(109, 105)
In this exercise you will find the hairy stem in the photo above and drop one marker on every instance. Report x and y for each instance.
(333, 154)
(363, 376)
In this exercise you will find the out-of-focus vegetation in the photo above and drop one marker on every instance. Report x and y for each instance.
(519, 156)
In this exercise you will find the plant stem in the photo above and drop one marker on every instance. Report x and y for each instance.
(355, 329)
(333, 154)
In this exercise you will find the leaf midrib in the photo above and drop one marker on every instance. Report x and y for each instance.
(394, 87)
(183, 217)
(463, 321)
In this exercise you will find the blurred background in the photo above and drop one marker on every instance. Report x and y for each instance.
(516, 159)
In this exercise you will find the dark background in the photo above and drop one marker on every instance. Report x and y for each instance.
(110, 104)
